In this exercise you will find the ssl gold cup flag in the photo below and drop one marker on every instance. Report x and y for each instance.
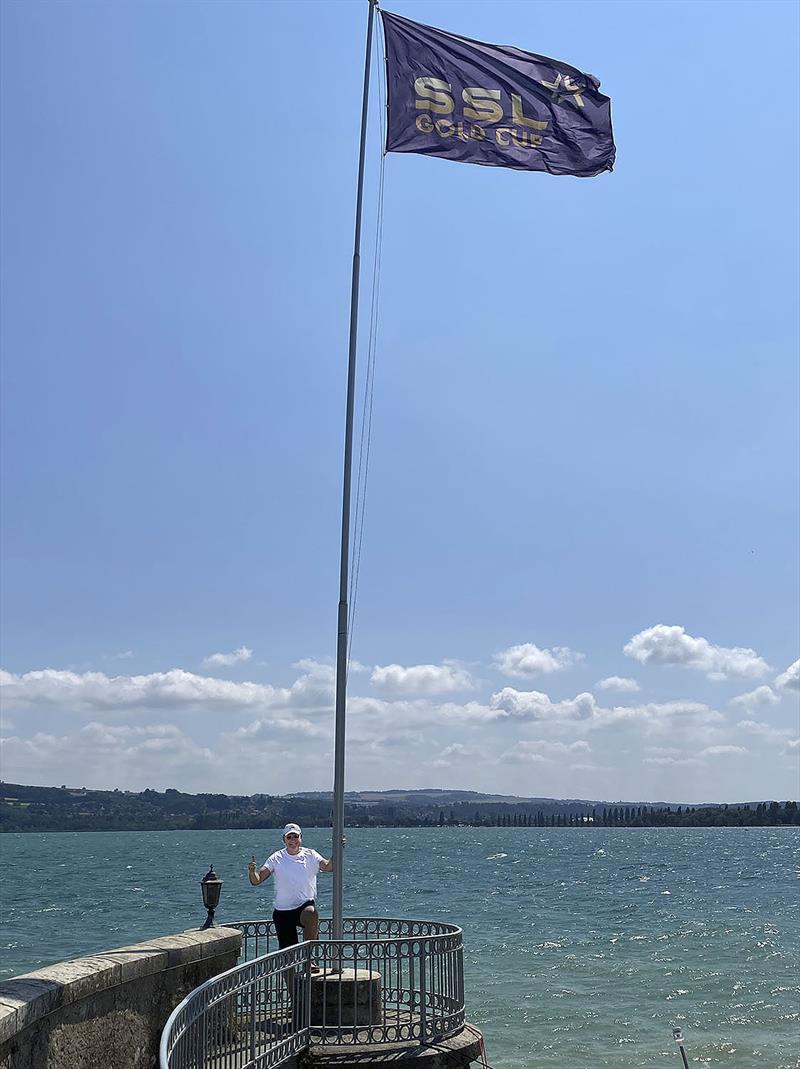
(464, 100)
(492, 104)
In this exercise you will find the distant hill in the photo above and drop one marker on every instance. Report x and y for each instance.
(436, 794)
(439, 796)
(26, 808)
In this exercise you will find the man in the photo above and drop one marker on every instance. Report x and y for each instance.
(295, 870)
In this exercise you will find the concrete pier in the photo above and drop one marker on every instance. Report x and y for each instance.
(458, 1052)
(108, 1009)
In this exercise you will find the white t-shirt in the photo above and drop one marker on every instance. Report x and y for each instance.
(295, 876)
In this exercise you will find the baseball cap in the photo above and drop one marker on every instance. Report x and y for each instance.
(292, 827)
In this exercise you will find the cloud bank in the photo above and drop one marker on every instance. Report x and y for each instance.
(408, 725)
(176, 689)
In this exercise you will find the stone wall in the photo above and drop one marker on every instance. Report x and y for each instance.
(107, 1011)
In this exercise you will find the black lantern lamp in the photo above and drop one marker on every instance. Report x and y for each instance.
(211, 885)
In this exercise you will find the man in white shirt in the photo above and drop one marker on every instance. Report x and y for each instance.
(295, 870)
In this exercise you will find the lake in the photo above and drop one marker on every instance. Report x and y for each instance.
(583, 946)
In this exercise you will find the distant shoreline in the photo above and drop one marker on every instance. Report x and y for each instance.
(377, 827)
(70, 809)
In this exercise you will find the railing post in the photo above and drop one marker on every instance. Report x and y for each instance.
(203, 1031)
(307, 1013)
(423, 1015)
(460, 975)
(253, 1010)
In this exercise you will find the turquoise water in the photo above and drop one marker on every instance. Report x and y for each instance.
(583, 946)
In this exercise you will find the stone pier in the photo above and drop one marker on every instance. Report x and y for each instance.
(107, 1010)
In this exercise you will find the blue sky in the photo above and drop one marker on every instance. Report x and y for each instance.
(584, 460)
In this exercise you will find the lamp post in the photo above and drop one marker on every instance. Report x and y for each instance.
(211, 886)
(677, 1035)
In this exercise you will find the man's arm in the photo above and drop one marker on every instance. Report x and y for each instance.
(257, 877)
(327, 866)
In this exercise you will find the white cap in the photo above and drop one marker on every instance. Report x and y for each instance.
(292, 827)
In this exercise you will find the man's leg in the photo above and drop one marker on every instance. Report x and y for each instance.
(286, 930)
(309, 919)
(285, 927)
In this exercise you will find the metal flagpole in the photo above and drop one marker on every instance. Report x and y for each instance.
(341, 645)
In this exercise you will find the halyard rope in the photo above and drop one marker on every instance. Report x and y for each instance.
(365, 439)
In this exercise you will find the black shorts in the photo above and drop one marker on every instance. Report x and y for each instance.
(287, 921)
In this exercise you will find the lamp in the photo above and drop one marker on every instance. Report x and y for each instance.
(211, 886)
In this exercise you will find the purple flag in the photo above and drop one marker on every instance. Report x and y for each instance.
(492, 104)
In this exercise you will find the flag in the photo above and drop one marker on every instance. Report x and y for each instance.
(492, 104)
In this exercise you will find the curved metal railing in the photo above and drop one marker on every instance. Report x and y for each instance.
(397, 983)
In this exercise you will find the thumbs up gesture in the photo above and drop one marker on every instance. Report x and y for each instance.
(252, 875)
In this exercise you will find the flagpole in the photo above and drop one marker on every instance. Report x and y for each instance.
(343, 619)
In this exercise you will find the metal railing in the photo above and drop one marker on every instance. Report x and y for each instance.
(388, 982)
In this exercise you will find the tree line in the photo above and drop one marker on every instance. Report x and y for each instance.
(26, 808)
(764, 814)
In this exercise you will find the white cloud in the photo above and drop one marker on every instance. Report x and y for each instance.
(534, 705)
(125, 655)
(543, 751)
(420, 679)
(267, 730)
(790, 679)
(455, 750)
(519, 756)
(758, 698)
(225, 660)
(387, 743)
(315, 689)
(658, 713)
(153, 753)
(175, 689)
(527, 660)
(621, 683)
(583, 708)
(793, 744)
(550, 748)
(755, 727)
(764, 731)
(468, 711)
(721, 751)
(114, 734)
(671, 645)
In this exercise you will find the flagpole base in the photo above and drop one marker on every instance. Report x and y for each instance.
(346, 998)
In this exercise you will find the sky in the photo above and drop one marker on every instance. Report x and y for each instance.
(579, 568)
